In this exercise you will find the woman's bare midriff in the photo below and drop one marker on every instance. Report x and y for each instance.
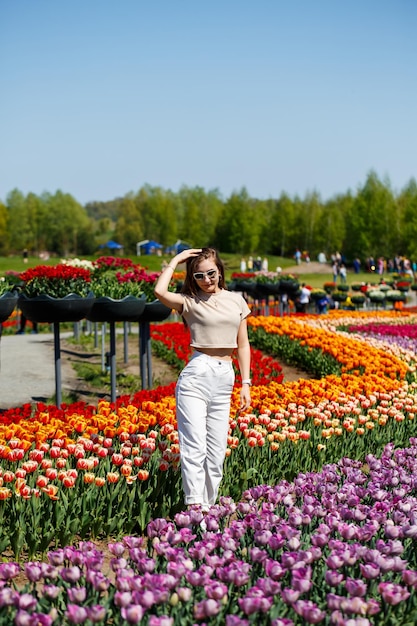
(217, 353)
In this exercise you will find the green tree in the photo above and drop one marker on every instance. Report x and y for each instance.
(128, 230)
(198, 215)
(264, 210)
(67, 224)
(238, 229)
(282, 227)
(407, 209)
(331, 226)
(374, 230)
(19, 224)
(308, 214)
(4, 231)
(158, 211)
(37, 211)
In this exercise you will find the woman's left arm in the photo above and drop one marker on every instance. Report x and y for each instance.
(243, 357)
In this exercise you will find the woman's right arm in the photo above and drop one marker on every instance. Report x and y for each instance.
(169, 298)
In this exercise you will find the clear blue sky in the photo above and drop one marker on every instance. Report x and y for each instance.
(100, 97)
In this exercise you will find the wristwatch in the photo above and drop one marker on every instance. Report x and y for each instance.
(247, 381)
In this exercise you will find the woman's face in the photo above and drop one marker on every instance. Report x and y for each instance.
(206, 275)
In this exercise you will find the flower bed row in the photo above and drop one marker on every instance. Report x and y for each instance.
(316, 547)
(334, 547)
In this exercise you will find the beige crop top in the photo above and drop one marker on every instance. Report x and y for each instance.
(214, 319)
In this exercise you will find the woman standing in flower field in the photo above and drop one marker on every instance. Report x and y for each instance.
(217, 322)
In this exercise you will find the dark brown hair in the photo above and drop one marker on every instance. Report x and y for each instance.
(190, 286)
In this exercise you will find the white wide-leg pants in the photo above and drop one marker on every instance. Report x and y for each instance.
(203, 394)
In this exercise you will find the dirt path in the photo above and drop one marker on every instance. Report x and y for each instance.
(314, 267)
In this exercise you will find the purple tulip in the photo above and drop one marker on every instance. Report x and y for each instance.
(392, 593)
(133, 613)
(77, 594)
(236, 573)
(98, 580)
(320, 540)
(356, 588)
(76, 614)
(206, 608)
(268, 586)
(254, 604)
(9, 570)
(410, 578)
(96, 613)
(56, 558)
(392, 531)
(289, 596)
(235, 620)
(369, 570)
(334, 561)
(161, 620)
(49, 571)
(117, 549)
(184, 593)
(71, 574)
(134, 542)
(356, 606)
(334, 602)
(144, 597)
(333, 577)
(52, 591)
(122, 598)
(301, 579)
(211, 523)
(215, 590)
(410, 531)
(289, 559)
(27, 602)
(33, 571)
(8, 597)
(23, 618)
(309, 611)
(274, 570)
(182, 520)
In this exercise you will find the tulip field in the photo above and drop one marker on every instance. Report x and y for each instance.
(317, 517)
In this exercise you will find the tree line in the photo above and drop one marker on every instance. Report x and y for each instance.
(372, 221)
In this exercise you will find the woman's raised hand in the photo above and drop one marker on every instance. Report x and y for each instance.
(187, 254)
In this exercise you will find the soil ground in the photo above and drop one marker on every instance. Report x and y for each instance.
(314, 267)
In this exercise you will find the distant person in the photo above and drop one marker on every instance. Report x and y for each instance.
(322, 304)
(257, 264)
(243, 264)
(25, 255)
(297, 256)
(284, 303)
(303, 299)
(335, 271)
(265, 265)
(343, 273)
(356, 265)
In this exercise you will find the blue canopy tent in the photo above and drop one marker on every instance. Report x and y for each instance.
(111, 245)
(147, 246)
(179, 246)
